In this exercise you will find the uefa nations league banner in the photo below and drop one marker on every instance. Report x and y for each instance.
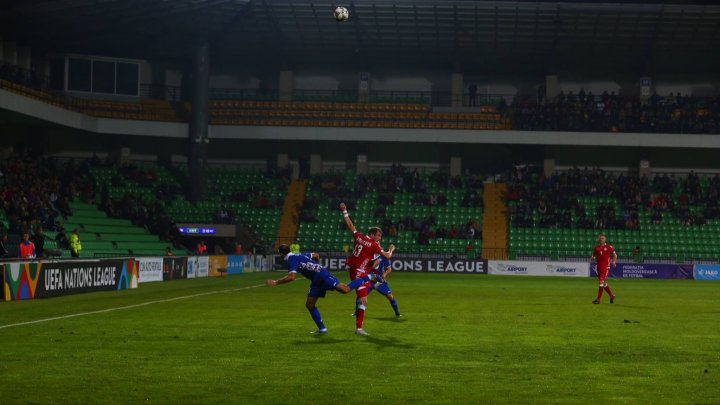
(707, 272)
(150, 269)
(412, 264)
(648, 270)
(31, 280)
(521, 268)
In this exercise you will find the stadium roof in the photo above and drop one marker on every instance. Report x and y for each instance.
(470, 32)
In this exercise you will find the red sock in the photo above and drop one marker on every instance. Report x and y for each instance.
(607, 289)
(600, 290)
(360, 317)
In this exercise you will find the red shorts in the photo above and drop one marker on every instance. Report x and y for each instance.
(363, 290)
(602, 275)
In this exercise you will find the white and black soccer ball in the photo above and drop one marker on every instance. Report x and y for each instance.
(341, 13)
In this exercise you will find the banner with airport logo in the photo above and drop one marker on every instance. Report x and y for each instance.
(523, 268)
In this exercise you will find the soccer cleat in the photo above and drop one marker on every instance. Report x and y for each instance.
(361, 331)
(612, 299)
(398, 315)
(596, 302)
(319, 332)
(354, 314)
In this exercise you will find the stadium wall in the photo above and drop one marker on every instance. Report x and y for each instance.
(24, 280)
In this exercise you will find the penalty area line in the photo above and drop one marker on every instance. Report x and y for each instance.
(102, 311)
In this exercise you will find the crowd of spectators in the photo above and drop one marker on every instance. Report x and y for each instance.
(35, 193)
(557, 198)
(148, 213)
(332, 189)
(609, 112)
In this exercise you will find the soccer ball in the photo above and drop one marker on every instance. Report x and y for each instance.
(341, 13)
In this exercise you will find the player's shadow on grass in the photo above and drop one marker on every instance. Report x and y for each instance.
(390, 319)
(322, 340)
(381, 342)
(392, 342)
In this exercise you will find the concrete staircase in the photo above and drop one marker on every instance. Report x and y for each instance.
(495, 222)
(288, 228)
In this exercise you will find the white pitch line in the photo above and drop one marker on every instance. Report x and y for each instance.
(126, 307)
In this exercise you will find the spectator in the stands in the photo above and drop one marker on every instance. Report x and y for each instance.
(470, 250)
(201, 248)
(38, 239)
(168, 251)
(75, 245)
(27, 248)
(3, 245)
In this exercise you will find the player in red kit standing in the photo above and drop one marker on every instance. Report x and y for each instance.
(602, 254)
(361, 260)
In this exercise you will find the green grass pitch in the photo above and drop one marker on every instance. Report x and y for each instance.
(462, 339)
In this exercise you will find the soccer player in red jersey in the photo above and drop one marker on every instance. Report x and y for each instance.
(361, 260)
(602, 254)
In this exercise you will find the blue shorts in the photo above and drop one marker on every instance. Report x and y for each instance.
(383, 289)
(322, 282)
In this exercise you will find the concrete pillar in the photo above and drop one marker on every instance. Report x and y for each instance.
(645, 88)
(199, 120)
(10, 52)
(364, 87)
(552, 86)
(24, 57)
(122, 155)
(315, 164)
(548, 167)
(455, 166)
(362, 164)
(282, 160)
(286, 85)
(644, 168)
(456, 88)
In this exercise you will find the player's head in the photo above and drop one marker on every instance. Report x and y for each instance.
(284, 249)
(375, 233)
(601, 238)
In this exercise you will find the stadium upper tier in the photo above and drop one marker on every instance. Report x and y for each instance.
(566, 112)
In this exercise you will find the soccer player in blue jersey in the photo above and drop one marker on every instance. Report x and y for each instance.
(382, 269)
(320, 281)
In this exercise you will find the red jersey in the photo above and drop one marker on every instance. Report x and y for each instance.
(363, 252)
(602, 255)
(27, 250)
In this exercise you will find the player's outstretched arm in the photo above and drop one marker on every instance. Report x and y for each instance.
(348, 222)
(290, 277)
(386, 273)
(389, 252)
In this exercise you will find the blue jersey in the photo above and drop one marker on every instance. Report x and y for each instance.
(320, 277)
(383, 265)
(303, 263)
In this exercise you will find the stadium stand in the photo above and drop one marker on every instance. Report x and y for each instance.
(669, 218)
(372, 115)
(104, 236)
(417, 212)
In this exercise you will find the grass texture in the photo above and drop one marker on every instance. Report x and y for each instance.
(462, 339)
